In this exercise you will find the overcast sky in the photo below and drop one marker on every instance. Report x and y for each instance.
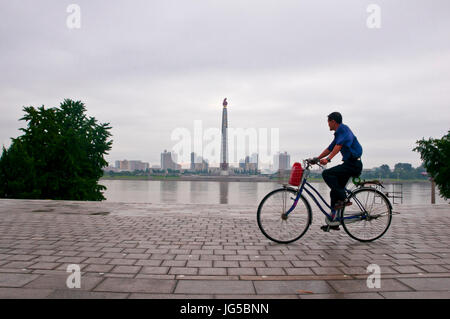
(149, 67)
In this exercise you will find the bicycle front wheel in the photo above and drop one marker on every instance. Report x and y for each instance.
(369, 216)
(273, 222)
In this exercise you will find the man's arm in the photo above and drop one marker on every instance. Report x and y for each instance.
(336, 149)
(324, 153)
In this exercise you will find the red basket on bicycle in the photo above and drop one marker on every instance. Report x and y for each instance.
(296, 174)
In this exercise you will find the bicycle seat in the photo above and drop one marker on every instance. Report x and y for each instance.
(358, 182)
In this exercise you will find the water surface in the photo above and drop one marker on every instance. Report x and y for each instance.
(208, 192)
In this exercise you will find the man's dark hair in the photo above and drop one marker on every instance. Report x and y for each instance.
(335, 116)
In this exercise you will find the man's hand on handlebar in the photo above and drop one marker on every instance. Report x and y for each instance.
(313, 160)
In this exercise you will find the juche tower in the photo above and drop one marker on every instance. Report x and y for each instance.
(224, 148)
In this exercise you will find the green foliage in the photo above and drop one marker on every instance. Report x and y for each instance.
(403, 171)
(59, 156)
(435, 154)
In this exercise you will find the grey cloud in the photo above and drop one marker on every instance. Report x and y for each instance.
(149, 67)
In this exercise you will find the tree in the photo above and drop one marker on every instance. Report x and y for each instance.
(403, 170)
(435, 154)
(59, 156)
(385, 171)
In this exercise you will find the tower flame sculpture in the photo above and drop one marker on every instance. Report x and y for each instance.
(224, 148)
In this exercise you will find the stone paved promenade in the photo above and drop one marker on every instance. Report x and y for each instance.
(211, 251)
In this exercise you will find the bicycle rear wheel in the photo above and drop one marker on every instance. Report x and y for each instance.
(273, 222)
(369, 216)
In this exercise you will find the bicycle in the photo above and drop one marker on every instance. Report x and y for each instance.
(366, 216)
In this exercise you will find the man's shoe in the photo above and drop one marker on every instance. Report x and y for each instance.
(327, 228)
(341, 204)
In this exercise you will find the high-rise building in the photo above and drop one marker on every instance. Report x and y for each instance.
(138, 166)
(124, 165)
(282, 161)
(224, 148)
(192, 160)
(249, 164)
(167, 161)
(254, 160)
(131, 166)
(198, 163)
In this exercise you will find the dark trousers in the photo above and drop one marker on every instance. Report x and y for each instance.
(338, 176)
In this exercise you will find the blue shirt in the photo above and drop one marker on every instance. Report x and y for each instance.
(350, 145)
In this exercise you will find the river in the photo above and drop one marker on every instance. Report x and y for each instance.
(209, 192)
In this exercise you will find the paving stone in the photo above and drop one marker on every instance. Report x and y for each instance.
(183, 271)
(121, 269)
(21, 257)
(100, 261)
(405, 262)
(17, 264)
(241, 271)
(433, 268)
(278, 264)
(152, 263)
(432, 261)
(16, 280)
(212, 271)
(299, 271)
(216, 287)
(24, 293)
(213, 257)
(59, 282)
(72, 260)
(270, 271)
(427, 284)
(199, 263)
(236, 257)
(136, 285)
(44, 265)
(92, 254)
(226, 264)
(326, 270)
(330, 263)
(99, 268)
(122, 261)
(407, 269)
(402, 256)
(350, 286)
(254, 264)
(366, 295)
(81, 294)
(416, 295)
(303, 263)
(154, 270)
(149, 276)
(292, 287)
(192, 245)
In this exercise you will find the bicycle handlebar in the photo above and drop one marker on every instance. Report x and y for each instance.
(314, 161)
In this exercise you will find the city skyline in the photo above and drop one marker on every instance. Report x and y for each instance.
(149, 68)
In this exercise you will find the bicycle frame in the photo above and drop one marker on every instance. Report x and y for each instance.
(307, 187)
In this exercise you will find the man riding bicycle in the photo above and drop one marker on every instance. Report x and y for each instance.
(337, 177)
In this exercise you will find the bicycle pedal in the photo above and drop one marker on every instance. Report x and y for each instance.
(326, 228)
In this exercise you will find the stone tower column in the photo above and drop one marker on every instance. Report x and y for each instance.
(224, 148)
